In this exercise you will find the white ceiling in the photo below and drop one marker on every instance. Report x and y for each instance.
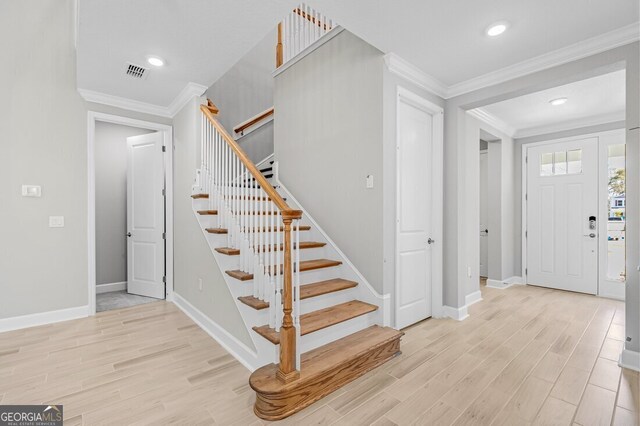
(201, 39)
(592, 101)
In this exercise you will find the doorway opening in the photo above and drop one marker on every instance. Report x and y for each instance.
(129, 224)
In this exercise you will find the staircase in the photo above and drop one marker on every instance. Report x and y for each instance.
(315, 322)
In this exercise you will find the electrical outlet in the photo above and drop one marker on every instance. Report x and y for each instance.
(200, 284)
(56, 221)
(369, 181)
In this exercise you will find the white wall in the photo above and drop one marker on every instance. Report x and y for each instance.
(111, 200)
(192, 256)
(328, 138)
(245, 91)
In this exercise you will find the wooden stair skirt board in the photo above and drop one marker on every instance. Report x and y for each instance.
(306, 291)
(303, 245)
(305, 265)
(322, 371)
(323, 318)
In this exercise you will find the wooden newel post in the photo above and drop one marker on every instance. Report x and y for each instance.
(287, 369)
(279, 48)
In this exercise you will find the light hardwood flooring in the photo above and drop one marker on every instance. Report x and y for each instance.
(525, 355)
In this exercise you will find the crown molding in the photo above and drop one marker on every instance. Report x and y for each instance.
(574, 52)
(189, 91)
(411, 73)
(571, 124)
(582, 49)
(493, 121)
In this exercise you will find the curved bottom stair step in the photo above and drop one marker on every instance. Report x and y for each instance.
(306, 291)
(322, 371)
(323, 318)
(305, 265)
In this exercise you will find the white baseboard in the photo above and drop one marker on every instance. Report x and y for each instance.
(108, 288)
(236, 348)
(630, 359)
(501, 285)
(472, 298)
(458, 314)
(515, 280)
(32, 320)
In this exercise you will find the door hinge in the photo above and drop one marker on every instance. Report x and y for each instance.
(163, 193)
(526, 234)
(526, 197)
(164, 235)
(526, 271)
(164, 148)
(164, 279)
(526, 159)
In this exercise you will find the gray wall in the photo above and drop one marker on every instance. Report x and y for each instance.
(111, 200)
(192, 256)
(43, 142)
(245, 91)
(328, 133)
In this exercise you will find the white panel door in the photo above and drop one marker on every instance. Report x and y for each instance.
(413, 275)
(145, 216)
(562, 209)
(484, 205)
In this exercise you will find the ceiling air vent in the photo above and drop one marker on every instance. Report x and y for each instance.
(136, 71)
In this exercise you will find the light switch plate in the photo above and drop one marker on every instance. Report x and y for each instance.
(56, 221)
(369, 181)
(31, 191)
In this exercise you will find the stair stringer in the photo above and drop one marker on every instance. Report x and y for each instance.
(364, 291)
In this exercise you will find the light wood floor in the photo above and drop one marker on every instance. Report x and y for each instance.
(525, 355)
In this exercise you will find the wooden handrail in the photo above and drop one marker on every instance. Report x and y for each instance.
(281, 204)
(240, 128)
(309, 18)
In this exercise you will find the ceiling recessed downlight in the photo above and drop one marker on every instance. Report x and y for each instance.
(155, 61)
(497, 29)
(558, 101)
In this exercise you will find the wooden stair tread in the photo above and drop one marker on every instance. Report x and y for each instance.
(303, 245)
(322, 371)
(208, 212)
(198, 196)
(224, 230)
(322, 318)
(305, 265)
(306, 291)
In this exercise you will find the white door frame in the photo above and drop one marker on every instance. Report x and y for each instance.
(437, 193)
(92, 117)
(525, 149)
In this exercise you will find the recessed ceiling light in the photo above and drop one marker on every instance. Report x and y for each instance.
(155, 61)
(558, 101)
(497, 29)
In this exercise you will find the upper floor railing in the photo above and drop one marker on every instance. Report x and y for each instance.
(300, 29)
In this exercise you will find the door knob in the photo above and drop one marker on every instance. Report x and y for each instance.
(128, 234)
(591, 235)
(430, 241)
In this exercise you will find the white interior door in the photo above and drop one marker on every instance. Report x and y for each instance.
(562, 209)
(484, 231)
(414, 216)
(145, 216)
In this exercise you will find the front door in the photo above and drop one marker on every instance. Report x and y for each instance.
(145, 215)
(562, 210)
(414, 243)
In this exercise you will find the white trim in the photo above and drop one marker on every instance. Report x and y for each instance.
(42, 318)
(385, 299)
(110, 287)
(582, 49)
(458, 314)
(629, 359)
(473, 298)
(410, 72)
(231, 344)
(515, 280)
(493, 121)
(579, 50)
(501, 285)
(313, 46)
(570, 125)
(92, 117)
(188, 92)
(437, 195)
